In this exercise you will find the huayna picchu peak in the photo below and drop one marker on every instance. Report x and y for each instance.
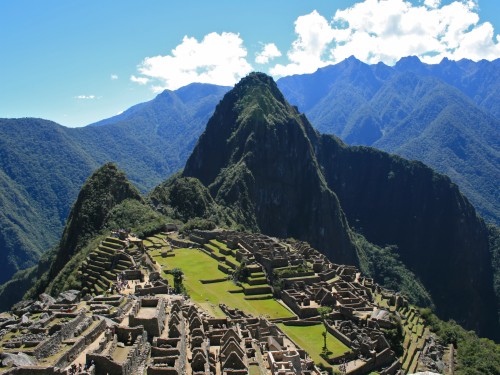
(257, 156)
(263, 159)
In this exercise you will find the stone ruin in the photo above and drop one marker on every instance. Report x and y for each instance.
(149, 330)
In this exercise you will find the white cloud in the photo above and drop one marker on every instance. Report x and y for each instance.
(432, 3)
(269, 52)
(86, 97)
(114, 77)
(139, 80)
(217, 58)
(386, 30)
(314, 33)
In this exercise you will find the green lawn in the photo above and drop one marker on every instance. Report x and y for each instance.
(310, 339)
(197, 266)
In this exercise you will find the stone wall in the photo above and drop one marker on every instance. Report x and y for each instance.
(339, 335)
(392, 369)
(80, 345)
(49, 346)
(154, 326)
(133, 275)
(301, 312)
(162, 371)
(177, 242)
(105, 365)
(159, 289)
(300, 323)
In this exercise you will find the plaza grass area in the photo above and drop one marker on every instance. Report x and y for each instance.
(197, 266)
(310, 339)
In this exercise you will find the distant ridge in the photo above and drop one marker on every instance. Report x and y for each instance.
(446, 115)
(43, 164)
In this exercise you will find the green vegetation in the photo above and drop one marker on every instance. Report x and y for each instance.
(476, 356)
(186, 199)
(245, 161)
(104, 190)
(43, 165)
(103, 202)
(324, 311)
(256, 177)
(310, 338)
(242, 273)
(385, 267)
(41, 172)
(290, 271)
(178, 277)
(134, 215)
(197, 266)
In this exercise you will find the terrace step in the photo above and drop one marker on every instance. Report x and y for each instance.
(116, 241)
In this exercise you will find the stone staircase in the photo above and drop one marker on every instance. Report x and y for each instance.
(101, 267)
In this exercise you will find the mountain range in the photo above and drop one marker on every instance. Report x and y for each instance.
(262, 159)
(261, 165)
(445, 113)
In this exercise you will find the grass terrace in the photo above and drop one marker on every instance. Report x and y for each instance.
(197, 266)
(310, 339)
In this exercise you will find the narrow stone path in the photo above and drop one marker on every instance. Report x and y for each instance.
(83, 355)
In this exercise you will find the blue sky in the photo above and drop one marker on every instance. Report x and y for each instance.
(76, 62)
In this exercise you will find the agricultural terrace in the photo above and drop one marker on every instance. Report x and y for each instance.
(197, 266)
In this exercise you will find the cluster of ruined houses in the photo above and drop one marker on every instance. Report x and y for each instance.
(154, 332)
(355, 319)
(157, 335)
(199, 344)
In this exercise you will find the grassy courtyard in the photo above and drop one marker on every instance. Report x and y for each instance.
(310, 339)
(197, 266)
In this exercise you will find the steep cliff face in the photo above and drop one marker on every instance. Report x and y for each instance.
(440, 238)
(257, 157)
(445, 115)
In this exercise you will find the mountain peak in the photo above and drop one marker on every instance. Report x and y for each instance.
(258, 84)
(257, 156)
(251, 108)
(352, 60)
(412, 63)
(104, 189)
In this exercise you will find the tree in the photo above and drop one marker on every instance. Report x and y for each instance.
(324, 311)
(241, 273)
(178, 276)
